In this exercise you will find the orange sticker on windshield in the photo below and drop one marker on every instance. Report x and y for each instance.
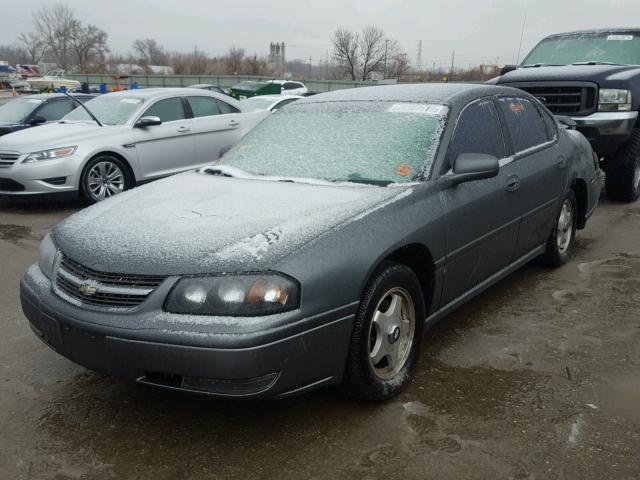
(517, 107)
(404, 170)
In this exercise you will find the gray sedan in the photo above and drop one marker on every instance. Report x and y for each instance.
(321, 258)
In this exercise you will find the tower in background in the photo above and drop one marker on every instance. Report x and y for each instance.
(277, 58)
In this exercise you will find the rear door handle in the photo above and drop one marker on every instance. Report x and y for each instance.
(234, 123)
(562, 163)
(513, 183)
(184, 129)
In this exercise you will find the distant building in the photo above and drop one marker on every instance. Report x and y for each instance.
(277, 59)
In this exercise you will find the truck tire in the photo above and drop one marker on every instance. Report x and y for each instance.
(623, 171)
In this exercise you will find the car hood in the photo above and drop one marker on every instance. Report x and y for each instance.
(195, 223)
(52, 135)
(603, 75)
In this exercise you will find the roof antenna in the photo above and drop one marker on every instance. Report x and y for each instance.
(524, 24)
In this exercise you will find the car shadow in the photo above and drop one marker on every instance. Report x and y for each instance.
(40, 205)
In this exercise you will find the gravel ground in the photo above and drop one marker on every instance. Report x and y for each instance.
(539, 378)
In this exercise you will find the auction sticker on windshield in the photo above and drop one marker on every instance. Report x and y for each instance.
(620, 38)
(419, 108)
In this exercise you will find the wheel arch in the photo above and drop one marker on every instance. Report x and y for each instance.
(419, 259)
(115, 154)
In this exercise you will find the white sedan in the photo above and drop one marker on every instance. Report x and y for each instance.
(122, 139)
(291, 87)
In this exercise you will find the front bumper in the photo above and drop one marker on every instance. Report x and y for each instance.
(40, 178)
(285, 361)
(605, 129)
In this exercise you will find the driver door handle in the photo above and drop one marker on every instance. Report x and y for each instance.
(184, 130)
(234, 123)
(513, 183)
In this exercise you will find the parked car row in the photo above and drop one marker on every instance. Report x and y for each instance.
(315, 252)
(115, 141)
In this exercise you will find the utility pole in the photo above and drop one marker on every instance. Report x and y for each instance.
(309, 68)
(326, 67)
(419, 62)
(453, 62)
(524, 24)
(386, 50)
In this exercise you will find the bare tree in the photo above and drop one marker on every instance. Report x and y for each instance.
(193, 63)
(33, 45)
(149, 52)
(13, 54)
(373, 50)
(345, 51)
(233, 60)
(89, 46)
(255, 65)
(56, 25)
(400, 65)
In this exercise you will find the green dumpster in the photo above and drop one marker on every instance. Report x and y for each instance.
(252, 88)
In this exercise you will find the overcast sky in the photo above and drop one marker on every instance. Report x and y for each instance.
(481, 31)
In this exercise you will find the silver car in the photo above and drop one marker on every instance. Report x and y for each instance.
(128, 138)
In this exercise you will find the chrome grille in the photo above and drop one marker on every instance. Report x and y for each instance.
(563, 98)
(77, 283)
(7, 159)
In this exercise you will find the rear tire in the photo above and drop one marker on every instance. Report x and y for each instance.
(103, 177)
(562, 239)
(623, 172)
(387, 335)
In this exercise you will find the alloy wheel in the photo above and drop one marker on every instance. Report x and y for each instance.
(564, 228)
(391, 333)
(104, 180)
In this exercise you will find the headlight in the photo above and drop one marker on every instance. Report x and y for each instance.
(614, 100)
(51, 154)
(48, 252)
(234, 295)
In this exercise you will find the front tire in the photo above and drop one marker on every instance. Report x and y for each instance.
(387, 335)
(562, 239)
(103, 177)
(623, 172)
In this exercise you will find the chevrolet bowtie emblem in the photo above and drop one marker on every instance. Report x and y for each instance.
(88, 288)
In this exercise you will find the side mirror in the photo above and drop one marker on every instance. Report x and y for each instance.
(567, 123)
(37, 120)
(473, 166)
(508, 68)
(145, 122)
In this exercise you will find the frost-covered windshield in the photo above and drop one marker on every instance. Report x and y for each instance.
(110, 110)
(17, 111)
(615, 48)
(365, 142)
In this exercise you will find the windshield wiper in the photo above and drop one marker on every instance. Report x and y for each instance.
(595, 63)
(225, 171)
(368, 181)
(85, 108)
(538, 65)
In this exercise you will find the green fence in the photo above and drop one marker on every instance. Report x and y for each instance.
(149, 81)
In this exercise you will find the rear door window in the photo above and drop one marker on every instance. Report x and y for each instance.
(54, 109)
(168, 110)
(226, 108)
(550, 123)
(477, 131)
(524, 122)
(204, 106)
